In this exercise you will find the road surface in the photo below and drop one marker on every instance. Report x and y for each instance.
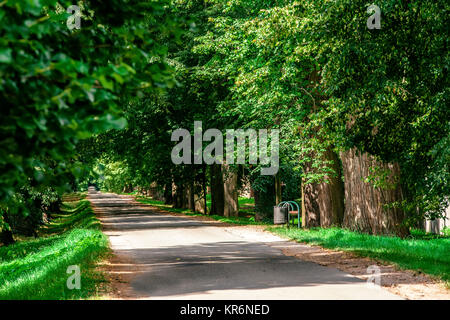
(175, 257)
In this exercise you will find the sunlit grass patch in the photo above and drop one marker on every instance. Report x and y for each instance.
(36, 269)
(424, 253)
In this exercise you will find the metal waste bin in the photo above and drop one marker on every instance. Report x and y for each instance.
(279, 215)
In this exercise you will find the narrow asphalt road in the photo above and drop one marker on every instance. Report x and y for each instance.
(171, 257)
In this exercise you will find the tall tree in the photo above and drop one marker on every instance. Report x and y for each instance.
(60, 86)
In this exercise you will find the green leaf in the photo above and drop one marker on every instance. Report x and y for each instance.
(5, 55)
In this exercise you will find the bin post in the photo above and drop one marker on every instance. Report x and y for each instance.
(279, 215)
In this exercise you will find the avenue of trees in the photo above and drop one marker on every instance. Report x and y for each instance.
(363, 113)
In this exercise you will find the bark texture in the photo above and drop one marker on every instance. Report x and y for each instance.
(365, 209)
(277, 189)
(168, 197)
(179, 197)
(200, 204)
(190, 196)
(230, 179)
(323, 203)
(217, 190)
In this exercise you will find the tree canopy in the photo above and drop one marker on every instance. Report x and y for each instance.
(109, 95)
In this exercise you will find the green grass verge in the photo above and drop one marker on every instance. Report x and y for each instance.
(244, 218)
(36, 269)
(421, 252)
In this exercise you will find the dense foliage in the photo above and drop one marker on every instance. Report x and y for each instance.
(59, 86)
(109, 95)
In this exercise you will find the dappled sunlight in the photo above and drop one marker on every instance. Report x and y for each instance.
(161, 249)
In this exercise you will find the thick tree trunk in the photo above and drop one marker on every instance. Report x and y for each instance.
(199, 202)
(231, 204)
(186, 198)
(264, 203)
(312, 213)
(204, 190)
(217, 190)
(323, 203)
(331, 194)
(168, 198)
(303, 205)
(178, 197)
(365, 209)
(156, 192)
(277, 189)
(191, 196)
(128, 188)
(176, 203)
(258, 215)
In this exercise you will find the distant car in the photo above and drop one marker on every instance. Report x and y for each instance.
(93, 187)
